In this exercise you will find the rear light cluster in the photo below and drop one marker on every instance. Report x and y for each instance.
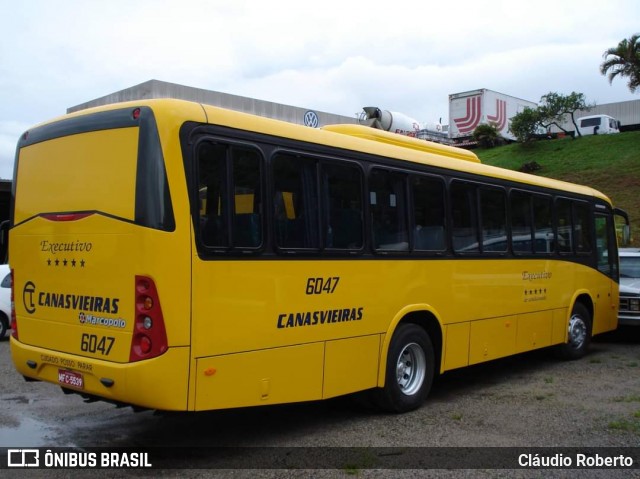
(14, 321)
(149, 334)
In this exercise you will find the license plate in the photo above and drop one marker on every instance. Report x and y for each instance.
(70, 378)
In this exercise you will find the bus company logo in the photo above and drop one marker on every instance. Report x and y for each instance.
(27, 297)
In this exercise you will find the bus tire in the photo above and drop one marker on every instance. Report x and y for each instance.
(4, 325)
(579, 334)
(409, 370)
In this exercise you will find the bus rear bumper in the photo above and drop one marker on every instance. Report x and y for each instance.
(158, 383)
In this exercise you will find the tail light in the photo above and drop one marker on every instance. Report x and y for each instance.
(149, 333)
(14, 321)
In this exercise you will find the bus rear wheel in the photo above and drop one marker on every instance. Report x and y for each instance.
(579, 334)
(409, 370)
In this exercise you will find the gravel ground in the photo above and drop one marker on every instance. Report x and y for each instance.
(531, 400)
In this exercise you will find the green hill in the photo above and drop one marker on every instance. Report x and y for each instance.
(609, 163)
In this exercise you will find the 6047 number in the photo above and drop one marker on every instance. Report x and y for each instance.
(91, 343)
(322, 285)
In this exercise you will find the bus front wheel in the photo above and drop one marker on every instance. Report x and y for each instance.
(579, 334)
(409, 370)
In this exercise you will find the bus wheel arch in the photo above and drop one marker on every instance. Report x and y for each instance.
(410, 362)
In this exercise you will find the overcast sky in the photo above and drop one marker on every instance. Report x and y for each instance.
(333, 56)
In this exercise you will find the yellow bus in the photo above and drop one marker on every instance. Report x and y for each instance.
(177, 256)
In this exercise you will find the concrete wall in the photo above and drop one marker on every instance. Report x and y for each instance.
(159, 89)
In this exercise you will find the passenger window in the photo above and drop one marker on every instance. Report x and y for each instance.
(230, 212)
(543, 225)
(388, 211)
(564, 226)
(464, 215)
(494, 220)
(214, 207)
(521, 222)
(342, 200)
(582, 227)
(429, 214)
(295, 202)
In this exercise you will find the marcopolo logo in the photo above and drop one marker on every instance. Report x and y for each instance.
(90, 319)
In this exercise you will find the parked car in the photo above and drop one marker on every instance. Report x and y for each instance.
(5, 299)
(629, 312)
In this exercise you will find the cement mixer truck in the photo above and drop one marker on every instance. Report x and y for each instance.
(399, 123)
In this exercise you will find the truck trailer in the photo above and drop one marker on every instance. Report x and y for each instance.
(469, 109)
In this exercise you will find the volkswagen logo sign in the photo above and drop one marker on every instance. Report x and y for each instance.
(311, 119)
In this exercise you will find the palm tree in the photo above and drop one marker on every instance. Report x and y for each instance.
(624, 60)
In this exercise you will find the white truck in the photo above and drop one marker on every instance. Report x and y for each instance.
(469, 109)
(598, 125)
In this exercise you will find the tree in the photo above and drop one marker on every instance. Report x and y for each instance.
(624, 61)
(487, 135)
(554, 106)
(551, 111)
(525, 124)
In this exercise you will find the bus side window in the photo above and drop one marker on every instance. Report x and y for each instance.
(582, 227)
(464, 214)
(564, 225)
(521, 222)
(543, 225)
(230, 213)
(212, 168)
(428, 213)
(493, 206)
(388, 211)
(247, 215)
(342, 200)
(295, 202)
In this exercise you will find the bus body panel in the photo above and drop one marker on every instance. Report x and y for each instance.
(268, 376)
(93, 290)
(518, 306)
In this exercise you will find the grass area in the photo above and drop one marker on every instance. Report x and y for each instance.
(627, 424)
(609, 163)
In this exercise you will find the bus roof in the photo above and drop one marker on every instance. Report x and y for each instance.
(348, 137)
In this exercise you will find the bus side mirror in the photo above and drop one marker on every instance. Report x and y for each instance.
(626, 235)
(623, 230)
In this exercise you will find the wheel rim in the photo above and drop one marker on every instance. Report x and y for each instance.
(411, 369)
(577, 331)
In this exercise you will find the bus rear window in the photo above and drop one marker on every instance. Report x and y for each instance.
(96, 171)
(109, 162)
